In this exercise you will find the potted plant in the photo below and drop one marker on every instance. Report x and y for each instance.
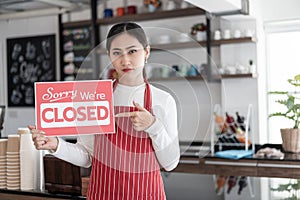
(290, 136)
(198, 30)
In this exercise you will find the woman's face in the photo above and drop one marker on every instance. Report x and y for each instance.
(128, 56)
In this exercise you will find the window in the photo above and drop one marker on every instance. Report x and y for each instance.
(283, 62)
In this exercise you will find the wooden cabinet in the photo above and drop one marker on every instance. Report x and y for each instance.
(61, 177)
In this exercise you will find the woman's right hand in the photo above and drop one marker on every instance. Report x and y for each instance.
(41, 142)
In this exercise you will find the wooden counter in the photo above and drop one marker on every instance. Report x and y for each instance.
(288, 167)
(285, 168)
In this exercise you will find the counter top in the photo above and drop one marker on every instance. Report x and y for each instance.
(34, 195)
(285, 167)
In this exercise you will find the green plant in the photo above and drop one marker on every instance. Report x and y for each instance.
(292, 188)
(198, 27)
(291, 102)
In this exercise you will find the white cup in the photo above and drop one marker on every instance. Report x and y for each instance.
(230, 70)
(221, 70)
(217, 35)
(237, 34)
(248, 33)
(171, 5)
(201, 35)
(184, 5)
(226, 34)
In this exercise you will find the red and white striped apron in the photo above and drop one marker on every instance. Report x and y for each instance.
(124, 164)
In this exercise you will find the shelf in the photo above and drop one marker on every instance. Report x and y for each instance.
(233, 41)
(200, 78)
(139, 17)
(189, 78)
(227, 76)
(75, 24)
(186, 45)
(152, 16)
(194, 44)
(178, 45)
(174, 45)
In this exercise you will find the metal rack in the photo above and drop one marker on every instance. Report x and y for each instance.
(248, 133)
(248, 123)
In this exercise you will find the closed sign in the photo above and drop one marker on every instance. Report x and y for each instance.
(75, 107)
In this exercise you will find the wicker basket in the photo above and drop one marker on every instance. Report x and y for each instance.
(290, 140)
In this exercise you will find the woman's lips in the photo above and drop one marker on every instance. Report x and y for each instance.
(126, 70)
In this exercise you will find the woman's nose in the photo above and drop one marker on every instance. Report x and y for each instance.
(125, 60)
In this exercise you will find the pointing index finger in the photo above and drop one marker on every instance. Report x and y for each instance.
(125, 114)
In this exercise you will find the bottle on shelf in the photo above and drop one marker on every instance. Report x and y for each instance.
(240, 121)
(220, 121)
(242, 184)
(252, 67)
(231, 123)
(220, 183)
(232, 181)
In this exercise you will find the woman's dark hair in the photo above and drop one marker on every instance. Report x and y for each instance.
(131, 28)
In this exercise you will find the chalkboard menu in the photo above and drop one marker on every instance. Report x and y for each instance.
(76, 47)
(29, 60)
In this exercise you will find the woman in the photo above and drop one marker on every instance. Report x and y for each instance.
(126, 164)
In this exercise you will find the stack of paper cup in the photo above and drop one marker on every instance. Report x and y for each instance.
(28, 160)
(3, 149)
(39, 182)
(13, 162)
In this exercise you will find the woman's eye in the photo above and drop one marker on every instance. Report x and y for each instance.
(116, 53)
(132, 51)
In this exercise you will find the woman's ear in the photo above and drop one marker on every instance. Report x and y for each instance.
(147, 50)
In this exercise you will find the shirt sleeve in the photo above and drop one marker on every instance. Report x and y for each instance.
(164, 135)
(79, 154)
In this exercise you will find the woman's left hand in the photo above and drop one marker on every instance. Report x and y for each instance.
(141, 119)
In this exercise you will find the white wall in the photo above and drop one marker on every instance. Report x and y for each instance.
(278, 10)
(20, 117)
(195, 101)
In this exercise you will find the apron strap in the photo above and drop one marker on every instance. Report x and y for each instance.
(147, 95)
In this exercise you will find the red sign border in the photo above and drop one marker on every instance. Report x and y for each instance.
(73, 131)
